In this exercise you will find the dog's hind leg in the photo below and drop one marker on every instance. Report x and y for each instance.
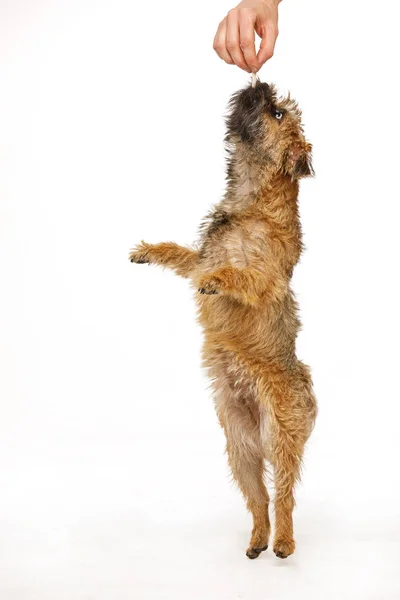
(287, 460)
(248, 469)
(291, 412)
(238, 416)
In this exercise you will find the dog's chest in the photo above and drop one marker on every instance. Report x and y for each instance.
(213, 227)
(228, 239)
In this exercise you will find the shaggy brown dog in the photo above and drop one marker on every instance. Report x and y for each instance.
(242, 270)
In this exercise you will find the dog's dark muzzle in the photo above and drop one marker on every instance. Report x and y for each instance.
(246, 108)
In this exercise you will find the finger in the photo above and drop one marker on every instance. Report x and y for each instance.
(269, 33)
(247, 38)
(219, 43)
(232, 43)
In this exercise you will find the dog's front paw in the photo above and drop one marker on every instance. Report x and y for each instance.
(209, 285)
(140, 254)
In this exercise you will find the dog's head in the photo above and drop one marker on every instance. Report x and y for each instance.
(270, 129)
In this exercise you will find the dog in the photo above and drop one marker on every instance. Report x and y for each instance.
(241, 269)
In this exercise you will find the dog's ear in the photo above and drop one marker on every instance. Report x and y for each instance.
(298, 161)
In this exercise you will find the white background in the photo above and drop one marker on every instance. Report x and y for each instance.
(113, 481)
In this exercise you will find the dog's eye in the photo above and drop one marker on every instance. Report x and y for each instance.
(278, 114)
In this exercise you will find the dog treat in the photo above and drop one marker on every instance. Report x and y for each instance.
(241, 271)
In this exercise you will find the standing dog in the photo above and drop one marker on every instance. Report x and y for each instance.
(242, 269)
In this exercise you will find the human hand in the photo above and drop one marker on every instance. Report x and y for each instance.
(234, 41)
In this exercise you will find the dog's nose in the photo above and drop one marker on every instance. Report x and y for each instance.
(258, 94)
(259, 89)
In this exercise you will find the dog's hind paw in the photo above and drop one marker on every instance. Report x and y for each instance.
(255, 552)
(283, 548)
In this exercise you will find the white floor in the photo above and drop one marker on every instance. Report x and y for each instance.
(158, 519)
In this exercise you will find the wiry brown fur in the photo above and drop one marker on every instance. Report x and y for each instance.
(249, 246)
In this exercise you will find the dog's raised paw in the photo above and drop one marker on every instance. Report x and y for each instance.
(209, 285)
(139, 261)
(139, 255)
